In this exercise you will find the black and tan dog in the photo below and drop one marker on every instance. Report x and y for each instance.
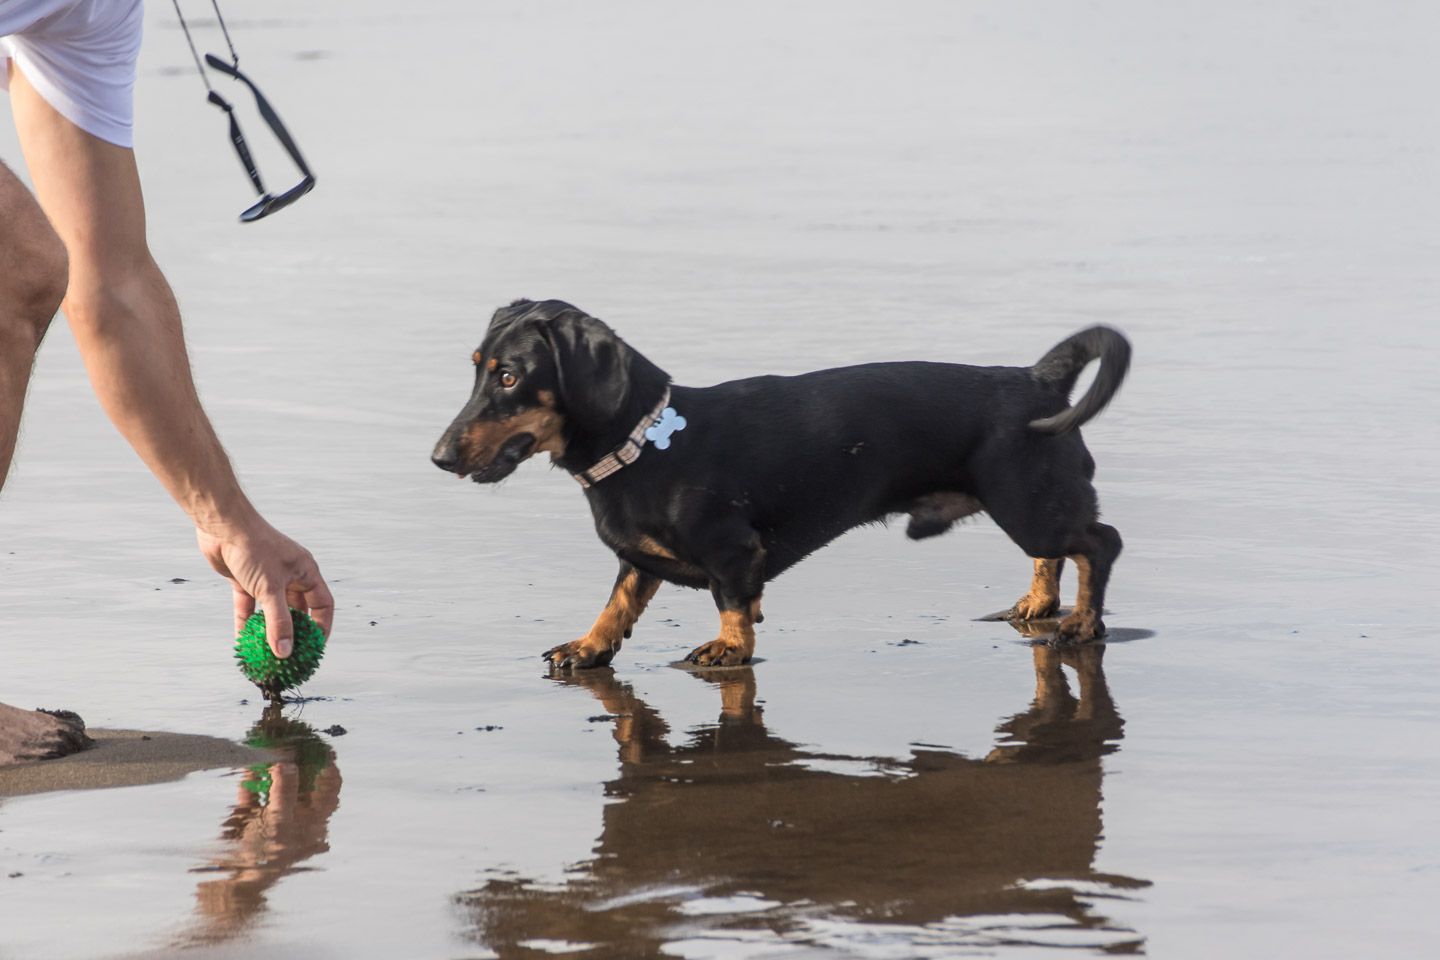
(742, 480)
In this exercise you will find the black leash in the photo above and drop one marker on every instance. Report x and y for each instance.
(234, 57)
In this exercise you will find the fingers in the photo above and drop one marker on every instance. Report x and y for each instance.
(310, 593)
(294, 597)
(244, 607)
(279, 631)
(275, 573)
(320, 604)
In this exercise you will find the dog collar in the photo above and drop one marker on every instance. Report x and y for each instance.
(656, 426)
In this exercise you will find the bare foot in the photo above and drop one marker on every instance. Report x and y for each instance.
(39, 735)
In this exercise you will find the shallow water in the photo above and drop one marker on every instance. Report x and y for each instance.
(1248, 192)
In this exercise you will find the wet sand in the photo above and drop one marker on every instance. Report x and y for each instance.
(1246, 191)
(126, 758)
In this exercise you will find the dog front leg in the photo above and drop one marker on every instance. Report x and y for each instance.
(736, 584)
(632, 591)
(1043, 600)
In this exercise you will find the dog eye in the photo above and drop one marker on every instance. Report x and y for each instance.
(508, 379)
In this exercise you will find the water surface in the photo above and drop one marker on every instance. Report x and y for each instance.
(1246, 191)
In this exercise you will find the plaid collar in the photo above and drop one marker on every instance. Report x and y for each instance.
(625, 454)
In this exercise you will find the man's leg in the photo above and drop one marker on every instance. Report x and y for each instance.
(32, 284)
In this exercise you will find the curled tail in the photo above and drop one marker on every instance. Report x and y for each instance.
(1062, 365)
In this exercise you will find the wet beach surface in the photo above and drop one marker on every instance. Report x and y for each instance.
(1249, 772)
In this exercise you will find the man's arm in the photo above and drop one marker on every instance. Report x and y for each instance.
(127, 325)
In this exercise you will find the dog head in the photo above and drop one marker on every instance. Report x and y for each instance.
(544, 374)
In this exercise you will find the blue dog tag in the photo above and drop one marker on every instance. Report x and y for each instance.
(670, 422)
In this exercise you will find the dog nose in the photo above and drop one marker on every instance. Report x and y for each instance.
(446, 455)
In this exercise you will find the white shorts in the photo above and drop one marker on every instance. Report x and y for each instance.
(80, 56)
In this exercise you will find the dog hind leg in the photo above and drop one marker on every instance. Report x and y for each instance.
(737, 581)
(734, 646)
(1094, 559)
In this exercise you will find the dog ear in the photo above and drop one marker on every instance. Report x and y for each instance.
(592, 368)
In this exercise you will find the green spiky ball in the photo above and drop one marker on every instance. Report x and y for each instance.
(267, 671)
(296, 741)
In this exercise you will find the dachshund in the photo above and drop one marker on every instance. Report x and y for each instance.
(725, 487)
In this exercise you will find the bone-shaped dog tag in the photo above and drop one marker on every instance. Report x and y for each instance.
(670, 422)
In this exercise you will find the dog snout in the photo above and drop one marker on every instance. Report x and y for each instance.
(446, 454)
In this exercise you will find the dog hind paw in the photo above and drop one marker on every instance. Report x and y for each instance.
(717, 653)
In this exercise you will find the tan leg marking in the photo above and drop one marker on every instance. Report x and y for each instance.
(1044, 596)
(600, 644)
(654, 548)
(734, 646)
(1084, 624)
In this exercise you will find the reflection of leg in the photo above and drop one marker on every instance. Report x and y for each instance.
(1044, 596)
(737, 694)
(742, 721)
(639, 730)
(1052, 693)
(1050, 712)
(1088, 664)
(32, 284)
(631, 593)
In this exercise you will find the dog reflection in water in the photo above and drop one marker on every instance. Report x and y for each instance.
(280, 819)
(961, 851)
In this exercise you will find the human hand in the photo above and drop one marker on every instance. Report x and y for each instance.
(266, 567)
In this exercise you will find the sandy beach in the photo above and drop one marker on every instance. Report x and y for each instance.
(126, 758)
(1246, 771)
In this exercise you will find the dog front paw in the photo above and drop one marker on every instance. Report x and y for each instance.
(1081, 626)
(718, 653)
(578, 654)
(1032, 607)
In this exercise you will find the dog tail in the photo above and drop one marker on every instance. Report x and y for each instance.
(1062, 365)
